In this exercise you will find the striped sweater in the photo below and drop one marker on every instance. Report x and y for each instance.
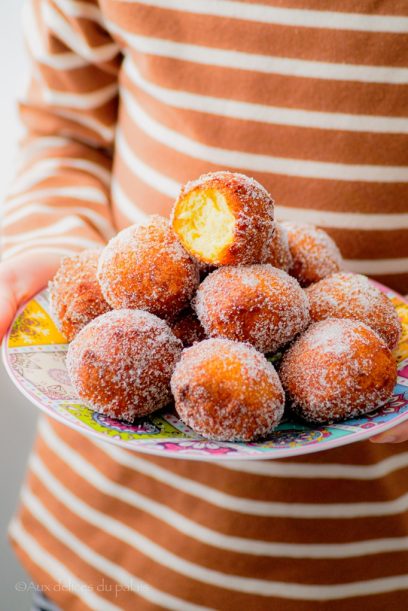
(128, 100)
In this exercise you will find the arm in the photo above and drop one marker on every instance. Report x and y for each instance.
(59, 201)
(398, 434)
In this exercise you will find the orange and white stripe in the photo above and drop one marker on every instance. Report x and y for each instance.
(310, 101)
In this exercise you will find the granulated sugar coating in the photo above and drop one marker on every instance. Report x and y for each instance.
(258, 304)
(224, 218)
(227, 391)
(338, 369)
(314, 254)
(145, 267)
(188, 328)
(121, 363)
(279, 251)
(75, 294)
(347, 295)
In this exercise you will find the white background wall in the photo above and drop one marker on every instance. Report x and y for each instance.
(18, 418)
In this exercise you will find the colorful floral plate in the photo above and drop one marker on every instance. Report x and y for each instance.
(34, 355)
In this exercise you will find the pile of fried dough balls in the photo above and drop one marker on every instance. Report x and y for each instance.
(186, 310)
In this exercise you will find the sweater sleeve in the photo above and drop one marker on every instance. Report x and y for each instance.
(59, 200)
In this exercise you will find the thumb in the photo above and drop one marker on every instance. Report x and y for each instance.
(8, 307)
(20, 279)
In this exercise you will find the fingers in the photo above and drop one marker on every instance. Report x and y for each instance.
(398, 434)
(21, 278)
(31, 273)
(8, 307)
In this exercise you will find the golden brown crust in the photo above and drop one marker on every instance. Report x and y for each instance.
(314, 254)
(227, 391)
(146, 267)
(252, 208)
(258, 304)
(347, 295)
(121, 363)
(338, 369)
(75, 294)
(279, 252)
(188, 328)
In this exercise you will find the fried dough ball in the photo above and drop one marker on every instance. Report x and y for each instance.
(338, 369)
(227, 391)
(75, 294)
(224, 219)
(259, 304)
(145, 267)
(347, 295)
(188, 328)
(279, 252)
(121, 363)
(314, 253)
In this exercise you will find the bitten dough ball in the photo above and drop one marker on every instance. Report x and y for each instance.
(227, 391)
(121, 363)
(314, 254)
(279, 252)
(224, 219)
(338, 369)
(188, 328)
(75, 294)
(347, 295)
(145, 267)
(258, 304)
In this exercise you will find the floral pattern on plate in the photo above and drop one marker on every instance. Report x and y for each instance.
(34, 354)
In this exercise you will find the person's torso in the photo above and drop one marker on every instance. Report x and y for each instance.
(309, 102)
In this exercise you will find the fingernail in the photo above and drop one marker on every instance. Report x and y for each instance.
(384, 439)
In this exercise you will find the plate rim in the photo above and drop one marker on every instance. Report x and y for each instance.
(147, 447)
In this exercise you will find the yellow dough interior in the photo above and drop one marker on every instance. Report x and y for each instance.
(205, 224)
